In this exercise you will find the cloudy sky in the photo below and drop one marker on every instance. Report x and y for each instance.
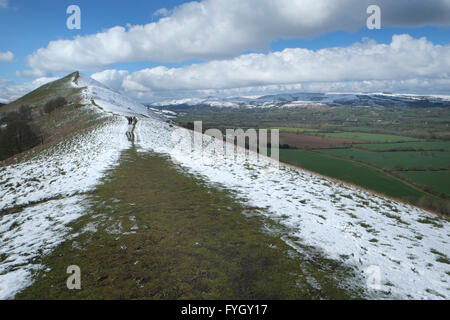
(154, 50)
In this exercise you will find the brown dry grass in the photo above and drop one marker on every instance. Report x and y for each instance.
(314, 142)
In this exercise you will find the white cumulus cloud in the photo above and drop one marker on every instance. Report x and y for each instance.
(111, 78)
(10, 91)
(3, 3)
(404, 64)
(220, 29)
(7, 56)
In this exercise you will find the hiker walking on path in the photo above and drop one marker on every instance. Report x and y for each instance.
(132, 121)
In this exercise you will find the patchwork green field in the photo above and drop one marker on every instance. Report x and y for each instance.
(350, 171)
(438, 180)
(394, 151)
(416, 123)
(295, 130)
(368, 136)
(434, 160)
(408, 146)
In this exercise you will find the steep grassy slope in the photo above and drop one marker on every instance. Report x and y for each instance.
(58, 88)
(49, 127)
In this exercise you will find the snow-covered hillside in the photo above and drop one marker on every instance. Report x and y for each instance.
(39, 197)
(107, 99)
(307, 99)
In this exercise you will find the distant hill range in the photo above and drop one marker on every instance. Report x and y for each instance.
(314, 99)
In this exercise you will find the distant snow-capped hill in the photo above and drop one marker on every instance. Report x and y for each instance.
(307, 99)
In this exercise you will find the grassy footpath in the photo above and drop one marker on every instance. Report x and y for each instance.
(155, 233)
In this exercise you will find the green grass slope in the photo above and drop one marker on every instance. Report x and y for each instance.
(59, 124)
(353, 172)
(43, 94)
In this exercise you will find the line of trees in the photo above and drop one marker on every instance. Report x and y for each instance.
(17, 134)
(437, 205)
(17, 131)
(54, 104)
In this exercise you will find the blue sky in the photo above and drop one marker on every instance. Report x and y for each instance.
(438, 35)
(31, 25)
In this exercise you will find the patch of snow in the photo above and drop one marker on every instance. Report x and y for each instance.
(109, 100)
(187, 101)
(29, 234)
(169, 112)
